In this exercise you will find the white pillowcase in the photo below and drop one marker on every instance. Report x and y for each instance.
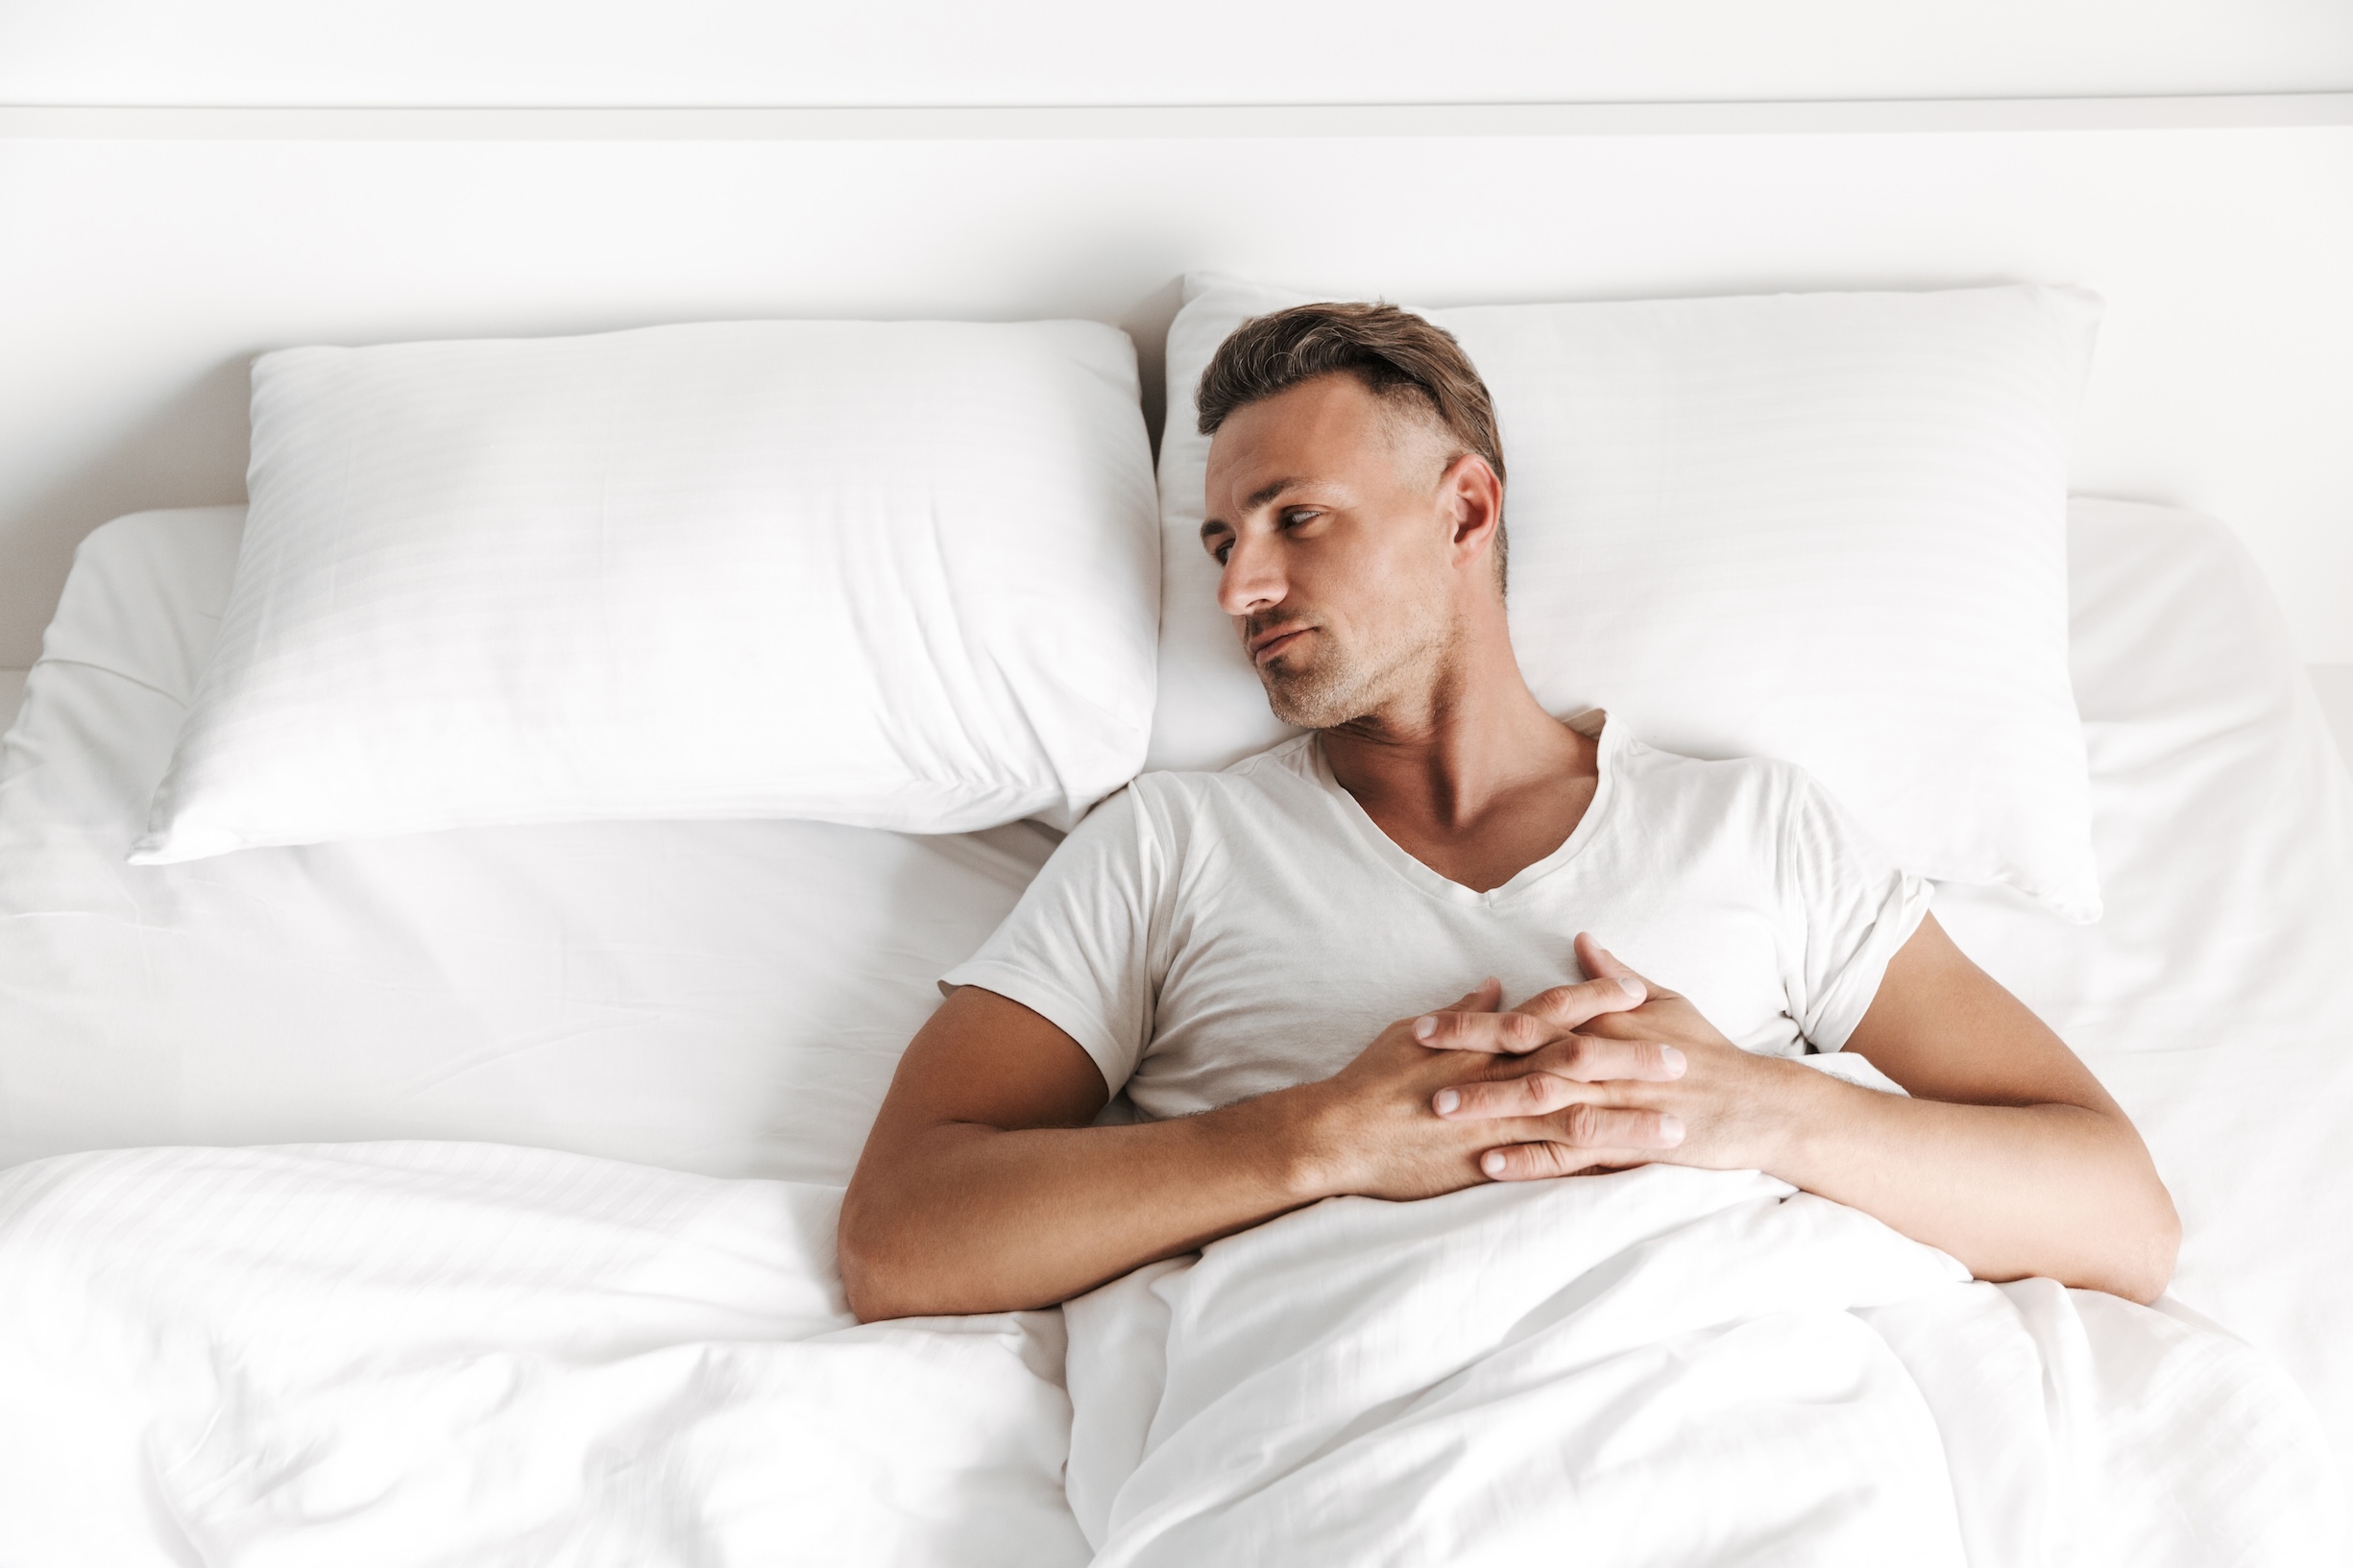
(1829, 528)
(890, 574)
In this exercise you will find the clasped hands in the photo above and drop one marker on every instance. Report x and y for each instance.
(1612, 1071)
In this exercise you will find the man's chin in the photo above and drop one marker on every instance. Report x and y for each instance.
(1305, 703)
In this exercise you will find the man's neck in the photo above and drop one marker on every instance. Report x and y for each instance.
(1471, 777)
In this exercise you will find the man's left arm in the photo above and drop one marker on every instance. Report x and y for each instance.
(2009, 1155)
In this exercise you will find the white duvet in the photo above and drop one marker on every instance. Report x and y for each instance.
(1663, 1366)
(411, 1354)
(407, 1354)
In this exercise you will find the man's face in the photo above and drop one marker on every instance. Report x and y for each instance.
(1327, 518)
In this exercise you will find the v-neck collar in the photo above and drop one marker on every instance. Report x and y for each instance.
(1592, 723)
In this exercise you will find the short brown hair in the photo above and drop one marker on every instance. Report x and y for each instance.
(1396, 355)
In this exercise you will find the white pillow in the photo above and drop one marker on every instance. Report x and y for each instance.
(1829, 528)
(890, 574)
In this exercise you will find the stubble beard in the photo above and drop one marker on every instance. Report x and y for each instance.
(1324, 694)
(1340, 686)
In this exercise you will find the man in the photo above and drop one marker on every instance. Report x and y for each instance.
(1232, 949)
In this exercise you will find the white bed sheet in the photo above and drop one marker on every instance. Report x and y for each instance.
(2214, 998)
(729, 998)
(723, 997)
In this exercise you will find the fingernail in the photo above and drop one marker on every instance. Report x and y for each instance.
(1491, 1162)
(1671, 1127)
(1447, 1101)
(1424, 1027)
(1630, 985)
(1673, 1059)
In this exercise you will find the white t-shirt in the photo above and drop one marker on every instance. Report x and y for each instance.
(1210, 936)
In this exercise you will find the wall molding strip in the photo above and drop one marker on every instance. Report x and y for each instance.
(1166, 122)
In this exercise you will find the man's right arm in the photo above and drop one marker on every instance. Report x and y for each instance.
(984, 1187)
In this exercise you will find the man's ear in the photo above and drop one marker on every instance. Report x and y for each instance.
(1472, 499)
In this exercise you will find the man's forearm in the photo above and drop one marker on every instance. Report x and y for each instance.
(975, 1219)
(2010, 1190)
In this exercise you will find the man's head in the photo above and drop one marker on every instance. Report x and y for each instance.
(1355, 505)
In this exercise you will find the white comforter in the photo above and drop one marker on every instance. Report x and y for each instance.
(1663, 1366)
(465, 1354)
(455, 1354)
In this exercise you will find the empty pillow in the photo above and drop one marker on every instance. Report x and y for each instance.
(1824, 527)
(890, 574)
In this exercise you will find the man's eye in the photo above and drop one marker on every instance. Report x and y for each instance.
(1292, 519)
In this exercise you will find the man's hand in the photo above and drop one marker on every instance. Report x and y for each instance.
(2008, 1154)
(982, 1187)
(1390, 1124)
(1605, 1089)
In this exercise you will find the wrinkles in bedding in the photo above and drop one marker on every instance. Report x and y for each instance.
(730, 999)
(1664, 1366)
(2214, 998)
(419, 1353)
(437, 1353)
(725, 998)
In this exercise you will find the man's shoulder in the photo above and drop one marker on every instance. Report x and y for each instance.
(1279, 769)
(1177, 807)
(1693, 770)
(1722, 790)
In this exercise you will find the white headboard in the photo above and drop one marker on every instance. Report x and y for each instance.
(148, 254)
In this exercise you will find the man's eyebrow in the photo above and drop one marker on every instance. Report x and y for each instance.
(1258, 499)
(1268, 491)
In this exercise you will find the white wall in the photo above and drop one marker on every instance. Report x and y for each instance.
(2335, 685)
(731, 52)
(139, 277)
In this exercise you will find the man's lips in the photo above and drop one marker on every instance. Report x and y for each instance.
(1271, 641)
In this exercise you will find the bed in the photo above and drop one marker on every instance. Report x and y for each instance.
(490, 1174)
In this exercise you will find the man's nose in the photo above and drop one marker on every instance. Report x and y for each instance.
(1252, 577)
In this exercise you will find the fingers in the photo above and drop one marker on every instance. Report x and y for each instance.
(1588, 1059)
(1554, 1087)
(1539, 1162)
(1602, 964)
(1590, 1136)
(1476, 1024)
(1533, 1093)
(1617, 1126)
(1486, 997)
(1574, 1121)
(1609, 1046)
(1584, 1058)
(1515, 1033)
(1572, 1006)
(1622, 1026)
(1534, 1162)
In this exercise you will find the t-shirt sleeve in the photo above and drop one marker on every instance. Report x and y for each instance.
(1847, 909)
(1078, 949)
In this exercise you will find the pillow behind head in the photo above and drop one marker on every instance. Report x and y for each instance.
(1829, 528)
(890, 574)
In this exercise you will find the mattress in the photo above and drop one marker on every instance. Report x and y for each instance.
(729, 998)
